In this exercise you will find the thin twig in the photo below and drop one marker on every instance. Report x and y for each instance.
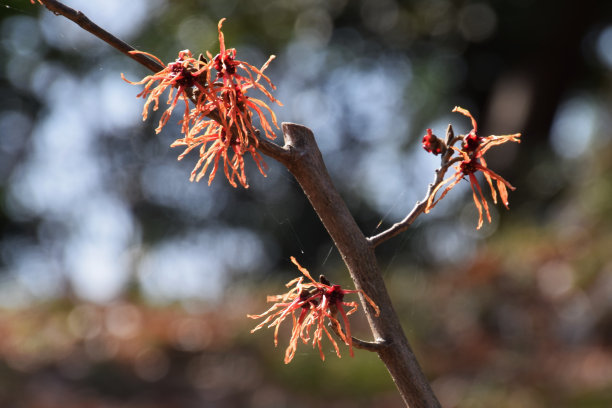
(374, 346)
(403, 225)
(82, 20)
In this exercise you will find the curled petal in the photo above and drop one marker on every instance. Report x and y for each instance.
(478, 199)
(455, 178)
(467, 113)
(302, 269)
(221, 37)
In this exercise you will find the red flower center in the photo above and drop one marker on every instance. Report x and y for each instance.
(225, 64)
(335, 294)
(468, 167)
(182, 76)
(471, 142)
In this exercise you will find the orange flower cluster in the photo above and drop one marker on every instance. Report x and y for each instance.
(473, 147)
(317, 302)
(221, 123)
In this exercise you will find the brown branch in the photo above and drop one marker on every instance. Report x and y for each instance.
(278, 153)
(82, 20)
(308, 168)
(403, 225)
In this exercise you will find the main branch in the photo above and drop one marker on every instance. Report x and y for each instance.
(307, 166)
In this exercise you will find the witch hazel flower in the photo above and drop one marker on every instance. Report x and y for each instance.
(317, 305)
(469, 161)
(238, 77)
(220, 125)
(212, 140)
(183, 75)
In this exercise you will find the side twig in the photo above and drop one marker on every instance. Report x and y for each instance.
(374, 346)
(82, 20)
(403, 225)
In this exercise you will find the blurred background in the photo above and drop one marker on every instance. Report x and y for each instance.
(123, 284)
